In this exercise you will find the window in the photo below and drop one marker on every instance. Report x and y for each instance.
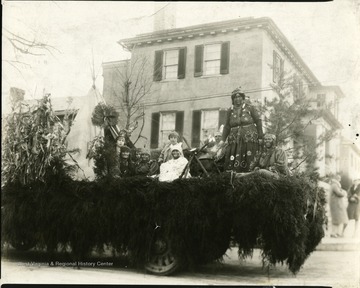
(170, 64)
(320, 99)
(209, 123)
(205, 123)
(297, 87)
(171, 60)
(66, 118)
(278, 67)
(162, 123)
(336, 109)
(167, 124)
(212, 59)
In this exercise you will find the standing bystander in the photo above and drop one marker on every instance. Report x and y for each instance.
(339, 216)
(353, 208)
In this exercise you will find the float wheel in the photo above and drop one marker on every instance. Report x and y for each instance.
(161, 260)
(23, 245)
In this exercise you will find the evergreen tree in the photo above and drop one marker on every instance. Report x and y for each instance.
(287, 116)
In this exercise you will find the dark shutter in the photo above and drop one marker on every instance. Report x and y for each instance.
(196, 126)
(199, 55)
(155, 125)
(182, 63)
(274, 67)
(179, 122)
(158, 65)
(222, 117)
(225, 57)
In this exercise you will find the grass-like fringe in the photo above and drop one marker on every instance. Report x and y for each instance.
(199, 216)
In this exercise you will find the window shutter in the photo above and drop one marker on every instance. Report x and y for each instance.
(222, 117)
(179, 122)
(199, 56)
(274, 66)
(225, 57)
(158, 65)
(281, 67)
(182, 63)
(155, 125)
(196, 126)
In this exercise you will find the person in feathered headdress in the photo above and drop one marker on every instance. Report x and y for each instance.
(243, 133)
(272, 158)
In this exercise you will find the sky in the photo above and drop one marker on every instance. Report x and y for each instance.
(326, 35)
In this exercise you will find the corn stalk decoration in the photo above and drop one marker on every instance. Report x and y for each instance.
(34, 145)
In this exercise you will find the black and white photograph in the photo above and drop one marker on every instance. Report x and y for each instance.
(181, 143)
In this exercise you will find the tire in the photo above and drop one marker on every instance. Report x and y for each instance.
(23, 245)
(162, 261)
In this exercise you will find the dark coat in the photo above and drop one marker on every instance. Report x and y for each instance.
(353, 208)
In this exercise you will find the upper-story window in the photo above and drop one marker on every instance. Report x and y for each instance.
(298, 88)
(170, 64)
(278, 67)
(212, 59)
(320, 99)
(336, 109)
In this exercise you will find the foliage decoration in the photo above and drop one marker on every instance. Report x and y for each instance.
(34, 144)
(200, 216)
(104, 115)
(103, 152)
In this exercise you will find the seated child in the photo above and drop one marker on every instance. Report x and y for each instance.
(146, 166)
(165, 154)
(173, 168)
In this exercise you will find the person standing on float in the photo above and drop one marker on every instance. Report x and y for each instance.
(243, 133)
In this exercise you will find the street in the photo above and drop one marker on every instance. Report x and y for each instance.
(324, 268)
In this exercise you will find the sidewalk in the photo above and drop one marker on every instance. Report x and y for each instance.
(346, 243)
(339, 244)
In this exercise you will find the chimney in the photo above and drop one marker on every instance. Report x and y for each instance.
(165, 16)
(16, 94)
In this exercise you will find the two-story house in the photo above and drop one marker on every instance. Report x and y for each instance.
(194, 69)
(326, 101)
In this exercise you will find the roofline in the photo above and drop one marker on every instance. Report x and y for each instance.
(292, 50)
(336, 88)
(330, 118)
(234, 25)
(114, 63)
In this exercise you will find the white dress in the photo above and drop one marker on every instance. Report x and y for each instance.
(172, 169)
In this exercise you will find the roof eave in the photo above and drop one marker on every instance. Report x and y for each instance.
(247, 23)
(330, 118)
(337, 90)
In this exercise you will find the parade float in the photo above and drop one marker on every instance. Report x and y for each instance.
(162, 226)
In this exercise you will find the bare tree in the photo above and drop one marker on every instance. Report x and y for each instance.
(136, 85)
(25, 46)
